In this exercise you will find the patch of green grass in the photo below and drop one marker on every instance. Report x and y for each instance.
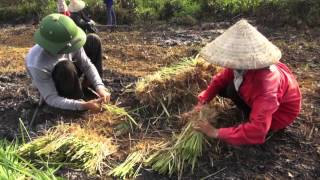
(13, 166)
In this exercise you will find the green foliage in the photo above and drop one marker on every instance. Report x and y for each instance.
(12, 166)
(166, 9)
(295, 12)
(146, 9)
(236, 6)
(185, 12)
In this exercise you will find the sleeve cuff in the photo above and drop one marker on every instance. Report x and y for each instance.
(79, 106)
(202, 97)
(100, 86)
(222, 133)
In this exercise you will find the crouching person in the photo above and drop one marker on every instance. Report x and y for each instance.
(62, 7)
(261, 86)
(80, 17)
(59, 58)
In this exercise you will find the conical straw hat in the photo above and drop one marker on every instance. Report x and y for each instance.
(241, 47)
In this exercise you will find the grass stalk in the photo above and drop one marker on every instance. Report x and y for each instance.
(184, 151)
(127, 168)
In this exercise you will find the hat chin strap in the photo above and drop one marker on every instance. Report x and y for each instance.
(68, 45)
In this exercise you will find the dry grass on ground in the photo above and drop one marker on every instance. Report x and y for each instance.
(137, 53)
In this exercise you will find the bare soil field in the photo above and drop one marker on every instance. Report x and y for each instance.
(134, 53)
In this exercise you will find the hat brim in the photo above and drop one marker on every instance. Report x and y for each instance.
(62, 48)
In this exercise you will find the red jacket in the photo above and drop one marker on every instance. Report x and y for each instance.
(273, 95)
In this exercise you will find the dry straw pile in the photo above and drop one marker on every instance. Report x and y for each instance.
(175, 85)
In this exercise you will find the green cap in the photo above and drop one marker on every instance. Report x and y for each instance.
(58, 34)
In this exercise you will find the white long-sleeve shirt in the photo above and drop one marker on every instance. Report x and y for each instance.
(40, 64)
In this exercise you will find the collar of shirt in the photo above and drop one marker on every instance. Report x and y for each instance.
(238, 78)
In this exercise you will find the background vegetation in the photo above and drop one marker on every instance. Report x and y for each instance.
(186, 12)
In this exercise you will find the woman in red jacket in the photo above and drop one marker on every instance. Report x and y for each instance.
(255, 80)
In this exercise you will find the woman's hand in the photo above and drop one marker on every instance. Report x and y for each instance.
(93, 105)
(198, 107)
(206, 128)
(104, 94)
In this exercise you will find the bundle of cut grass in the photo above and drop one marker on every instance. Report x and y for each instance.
(185, 149)
(71, 145)
(177, 84)
(126, 169)
(113, 121)
(130, 168)
(177, 156)
(212, 112)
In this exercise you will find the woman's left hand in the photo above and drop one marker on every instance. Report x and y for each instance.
(205, 127)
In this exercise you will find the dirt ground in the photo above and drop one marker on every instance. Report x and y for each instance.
(130, 54)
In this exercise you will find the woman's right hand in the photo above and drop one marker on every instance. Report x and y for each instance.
(198, 107)
(93, 105)
(195, 109)
(202, 97)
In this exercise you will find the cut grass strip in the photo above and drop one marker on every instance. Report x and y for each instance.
(70, 145)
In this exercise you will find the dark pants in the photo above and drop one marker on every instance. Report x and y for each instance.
(111, 15)
(66, 75)
(231, 93)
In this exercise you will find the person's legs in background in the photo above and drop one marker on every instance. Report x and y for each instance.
(114, 19)
(109, 15)
(93, 49)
